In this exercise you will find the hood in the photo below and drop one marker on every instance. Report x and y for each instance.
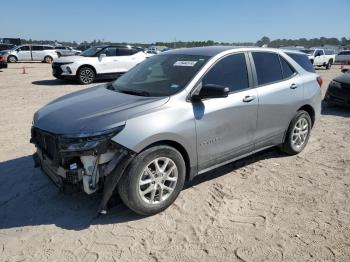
(92, 110)
(71, 59)
(344, 78)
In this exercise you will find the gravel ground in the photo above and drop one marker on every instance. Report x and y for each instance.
(268, 207)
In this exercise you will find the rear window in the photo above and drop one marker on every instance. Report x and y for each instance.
(303, 61)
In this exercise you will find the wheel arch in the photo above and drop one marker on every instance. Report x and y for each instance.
(310, 110)
(179, 148)
(87, 65)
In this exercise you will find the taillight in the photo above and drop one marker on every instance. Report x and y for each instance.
(1, 58)
(319, 81)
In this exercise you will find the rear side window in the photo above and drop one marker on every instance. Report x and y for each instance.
(268, 67)
(303, 61)
(287, 69)
(124, 51)
(231, 72)
(37, 48)
(48, 47)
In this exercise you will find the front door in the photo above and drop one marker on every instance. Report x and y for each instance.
(24, 53)
(319, 57)
(226, 126)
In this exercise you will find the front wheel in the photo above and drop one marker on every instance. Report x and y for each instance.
(298, 133)
(12, 59)
(153, 180)
(86, 75)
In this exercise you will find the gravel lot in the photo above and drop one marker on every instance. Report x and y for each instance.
(268, 207)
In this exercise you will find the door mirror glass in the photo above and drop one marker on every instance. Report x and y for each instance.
(211, 91)
(101, 56)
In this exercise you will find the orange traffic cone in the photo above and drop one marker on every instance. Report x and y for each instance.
(24, 70)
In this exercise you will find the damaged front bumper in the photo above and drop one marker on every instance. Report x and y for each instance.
(85, 162)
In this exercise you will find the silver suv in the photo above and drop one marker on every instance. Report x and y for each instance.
(174, 116)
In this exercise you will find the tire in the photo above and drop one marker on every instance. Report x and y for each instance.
(133, 194)
(291, 140)
(86, 75)
(11, 59)
(329, 65)
(48, 59)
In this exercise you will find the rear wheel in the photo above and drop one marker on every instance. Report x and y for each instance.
(298, 133)
(329, 65)
(153, 180)
(12, 59)
(86, 75)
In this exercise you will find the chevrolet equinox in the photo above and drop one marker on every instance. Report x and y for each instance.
(174, 116)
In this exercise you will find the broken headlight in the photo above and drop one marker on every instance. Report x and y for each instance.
(87, 141)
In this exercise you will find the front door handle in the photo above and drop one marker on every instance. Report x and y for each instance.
(248, 99)
(293, 86)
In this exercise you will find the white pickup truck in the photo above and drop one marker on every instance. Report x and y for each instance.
(321, 57)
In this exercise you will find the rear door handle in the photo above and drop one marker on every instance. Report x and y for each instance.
(293, 86)
(248, 99)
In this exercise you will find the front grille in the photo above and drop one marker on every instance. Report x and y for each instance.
(56, 68)
(45, 141)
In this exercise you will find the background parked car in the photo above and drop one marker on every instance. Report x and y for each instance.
(338, 91)
(6, 46)
(321, 57)
(44, 53)
(3, 62)
(103, 62)
(343, 57)
(66, 51)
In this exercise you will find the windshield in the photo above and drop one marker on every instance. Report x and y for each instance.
(308, 51)
(160, 75)
(92, 51)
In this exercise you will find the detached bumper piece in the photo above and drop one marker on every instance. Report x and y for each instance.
(90, 169)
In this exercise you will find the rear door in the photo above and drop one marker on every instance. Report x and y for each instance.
(280, 93)
(226, 126)
(23, 53)
(37, 52)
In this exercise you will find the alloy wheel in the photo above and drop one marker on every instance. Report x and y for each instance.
(300, 132)
(158, 180)
(87, 76)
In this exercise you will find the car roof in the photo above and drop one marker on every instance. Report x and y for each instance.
(215, 50)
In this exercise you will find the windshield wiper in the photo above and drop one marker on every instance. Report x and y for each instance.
(134, 92)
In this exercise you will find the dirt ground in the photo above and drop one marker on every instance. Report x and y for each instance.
(268, 207)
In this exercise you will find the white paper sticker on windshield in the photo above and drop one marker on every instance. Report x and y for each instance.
(185, 63)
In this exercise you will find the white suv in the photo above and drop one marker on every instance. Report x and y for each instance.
(99, 62)
(321, 57)
(44, 53)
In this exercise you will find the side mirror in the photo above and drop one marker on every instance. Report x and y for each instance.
(211, 91)
(101, 56)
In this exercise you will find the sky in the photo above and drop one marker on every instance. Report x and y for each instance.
(155, 20)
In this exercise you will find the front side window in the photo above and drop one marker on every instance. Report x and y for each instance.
(46, 47)
(23, 48)
(92, 51)
(268, 68)
(124, 51)
(109, 51)
(230, 72)
(161, 75)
